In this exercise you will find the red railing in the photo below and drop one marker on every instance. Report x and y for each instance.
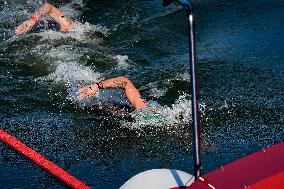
(41, 161)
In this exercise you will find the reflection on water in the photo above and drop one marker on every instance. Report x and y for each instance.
(240, 72)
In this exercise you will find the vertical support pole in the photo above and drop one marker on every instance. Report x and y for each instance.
(192, 59)
(195, 112)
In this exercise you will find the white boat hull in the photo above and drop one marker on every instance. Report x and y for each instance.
(159, 179)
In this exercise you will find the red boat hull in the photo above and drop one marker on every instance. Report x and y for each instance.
(260, 170)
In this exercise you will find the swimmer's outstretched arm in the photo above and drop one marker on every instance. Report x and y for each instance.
(65, 23)
(131, 92)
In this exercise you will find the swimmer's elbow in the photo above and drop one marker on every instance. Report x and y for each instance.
(48, 7)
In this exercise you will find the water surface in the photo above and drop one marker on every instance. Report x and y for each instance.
(240, 73)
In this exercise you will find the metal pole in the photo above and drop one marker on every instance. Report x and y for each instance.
(192, 59)
(195, 112)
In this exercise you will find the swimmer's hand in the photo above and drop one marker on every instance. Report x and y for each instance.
(25, 27)
(88, 91)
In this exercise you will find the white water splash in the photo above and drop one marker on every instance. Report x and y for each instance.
(81, 32)
(178, 113)
(184, 76)
(122, 60)
(158, 92)
(64, 52)
(72, 72)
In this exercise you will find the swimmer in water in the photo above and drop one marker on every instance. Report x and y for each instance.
(60, 23)
(132, 94)
(130, 91)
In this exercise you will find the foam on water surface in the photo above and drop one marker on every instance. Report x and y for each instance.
(122, 60)
(82, 32)
(159, 116)
(69, 72)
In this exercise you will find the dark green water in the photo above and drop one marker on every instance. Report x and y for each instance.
(240, 71)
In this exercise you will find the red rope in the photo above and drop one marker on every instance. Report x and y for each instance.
(41, 161)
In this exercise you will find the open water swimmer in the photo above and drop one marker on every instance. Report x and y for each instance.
(130, 91)
(60, 22)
